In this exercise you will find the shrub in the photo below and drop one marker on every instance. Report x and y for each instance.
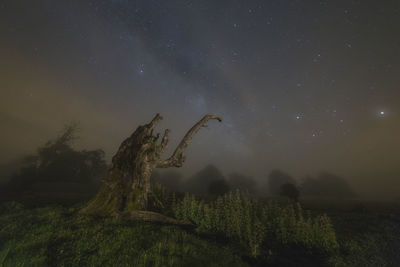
(257, 225)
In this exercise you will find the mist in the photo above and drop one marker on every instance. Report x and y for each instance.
(297, 108)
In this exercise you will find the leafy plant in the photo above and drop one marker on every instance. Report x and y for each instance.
(257, 225)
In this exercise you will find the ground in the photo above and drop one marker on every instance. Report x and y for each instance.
(54, 237)
(369, 235)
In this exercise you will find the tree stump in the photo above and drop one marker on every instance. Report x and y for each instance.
(125, 190)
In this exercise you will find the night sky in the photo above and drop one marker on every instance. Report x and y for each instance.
(302, 86)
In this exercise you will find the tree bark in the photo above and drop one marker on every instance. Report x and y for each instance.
(126, 189)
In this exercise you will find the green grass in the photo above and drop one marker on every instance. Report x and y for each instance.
(55, 237)
(368, 232)
(368, 238)
(231, 231)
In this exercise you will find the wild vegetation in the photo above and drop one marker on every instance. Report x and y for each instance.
(59, 236)
(258, 226)
(222, 227)
(54, 236)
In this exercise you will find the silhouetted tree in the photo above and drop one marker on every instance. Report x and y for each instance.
(218, 187)
(199, 183)
(242, 182)
(290, 191)
(310, 186)
(7, 170)
(326, 184)
(276, 179)
(57, 162)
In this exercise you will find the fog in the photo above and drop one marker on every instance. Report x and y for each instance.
(315, 98)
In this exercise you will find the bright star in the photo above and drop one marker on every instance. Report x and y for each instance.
(141, 68)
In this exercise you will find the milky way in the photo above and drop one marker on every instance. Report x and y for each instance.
(302, 86)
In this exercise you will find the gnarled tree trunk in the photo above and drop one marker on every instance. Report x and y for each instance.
(126, 188)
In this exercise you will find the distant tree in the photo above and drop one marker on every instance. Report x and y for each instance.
(311, 186)
(170, 180)
(57, 161)
(200, 182)
(218, 187)
(290, 191)
(242, 182)
(276, 179)
(326, 184)
(9, 168)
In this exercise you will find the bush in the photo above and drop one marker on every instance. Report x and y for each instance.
(255, 225)
(276, 179)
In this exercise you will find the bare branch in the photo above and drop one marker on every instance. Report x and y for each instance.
(154, 121)
(177, 158)
(164, 143)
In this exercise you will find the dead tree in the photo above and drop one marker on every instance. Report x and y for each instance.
(126, 188)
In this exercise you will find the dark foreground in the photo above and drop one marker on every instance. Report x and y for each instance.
(367, 235)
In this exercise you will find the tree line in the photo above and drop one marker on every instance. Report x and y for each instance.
(58, 167)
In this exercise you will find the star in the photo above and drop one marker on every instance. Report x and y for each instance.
(273, 76)
(141, 69)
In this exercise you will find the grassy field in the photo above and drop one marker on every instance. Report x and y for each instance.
(368, 232)
(57, 236)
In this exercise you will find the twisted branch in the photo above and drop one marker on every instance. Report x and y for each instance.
(164, 142)
(177, 158)
(154, 121)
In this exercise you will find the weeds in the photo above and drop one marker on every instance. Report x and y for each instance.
(233, 230)
(255, 225)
